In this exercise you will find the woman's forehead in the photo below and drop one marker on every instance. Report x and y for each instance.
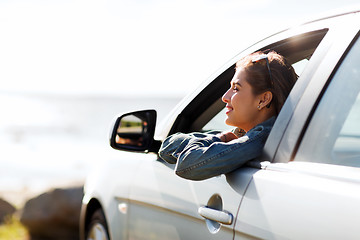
(239, 76)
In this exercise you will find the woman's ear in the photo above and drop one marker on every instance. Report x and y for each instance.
(265, 99)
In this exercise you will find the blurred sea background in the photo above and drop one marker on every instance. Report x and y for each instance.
(54, 140)
(68, 67)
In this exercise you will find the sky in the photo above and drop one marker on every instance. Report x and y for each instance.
(133, 47)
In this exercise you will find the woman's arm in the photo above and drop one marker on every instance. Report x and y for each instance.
(205, 158)
(200, 156)
(175, 144)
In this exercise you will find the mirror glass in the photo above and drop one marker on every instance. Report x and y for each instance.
(130, 130)
(134, 132)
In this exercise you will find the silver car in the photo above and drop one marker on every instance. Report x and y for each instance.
(305, 186)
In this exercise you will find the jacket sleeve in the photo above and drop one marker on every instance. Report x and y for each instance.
(205, 158)
(201, 156)
(175, 144)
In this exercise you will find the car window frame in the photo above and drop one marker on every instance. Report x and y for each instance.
(193, 117)
(333, 77)
(179, 119)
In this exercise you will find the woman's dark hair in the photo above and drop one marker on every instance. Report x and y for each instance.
(278, 76)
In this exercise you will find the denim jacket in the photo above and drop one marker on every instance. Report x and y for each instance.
(199, 156)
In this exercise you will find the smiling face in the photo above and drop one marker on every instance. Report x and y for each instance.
(258, 89)
(241, 103)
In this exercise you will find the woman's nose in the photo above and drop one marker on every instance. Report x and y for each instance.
(225, 98)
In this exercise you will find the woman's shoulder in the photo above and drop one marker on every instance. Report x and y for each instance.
(263, 128)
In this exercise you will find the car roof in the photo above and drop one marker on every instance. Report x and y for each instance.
(335, 13)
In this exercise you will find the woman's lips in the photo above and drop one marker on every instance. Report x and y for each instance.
(229, 109)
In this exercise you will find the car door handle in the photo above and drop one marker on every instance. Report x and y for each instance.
(223, 217)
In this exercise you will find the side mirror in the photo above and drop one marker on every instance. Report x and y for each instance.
(135, 132)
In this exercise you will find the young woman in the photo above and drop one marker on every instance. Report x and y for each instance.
(257, 92)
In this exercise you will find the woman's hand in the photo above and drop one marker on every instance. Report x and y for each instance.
(227, 136)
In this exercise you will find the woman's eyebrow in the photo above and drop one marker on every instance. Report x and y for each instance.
(236, 83)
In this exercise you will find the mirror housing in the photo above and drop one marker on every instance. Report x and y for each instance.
(135, 132)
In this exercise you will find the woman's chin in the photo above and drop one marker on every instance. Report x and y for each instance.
(231, 123)
(228, 122)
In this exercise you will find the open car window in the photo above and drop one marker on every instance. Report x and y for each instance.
(218, 121)
(203, 113)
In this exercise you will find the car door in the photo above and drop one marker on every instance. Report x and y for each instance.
(312, 188)
(165, 206)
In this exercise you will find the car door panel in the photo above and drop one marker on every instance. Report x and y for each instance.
(230, 188)
(294, 201)
(161, 200)
(153, 209)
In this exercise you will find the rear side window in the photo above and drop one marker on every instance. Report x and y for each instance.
(333, 134)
